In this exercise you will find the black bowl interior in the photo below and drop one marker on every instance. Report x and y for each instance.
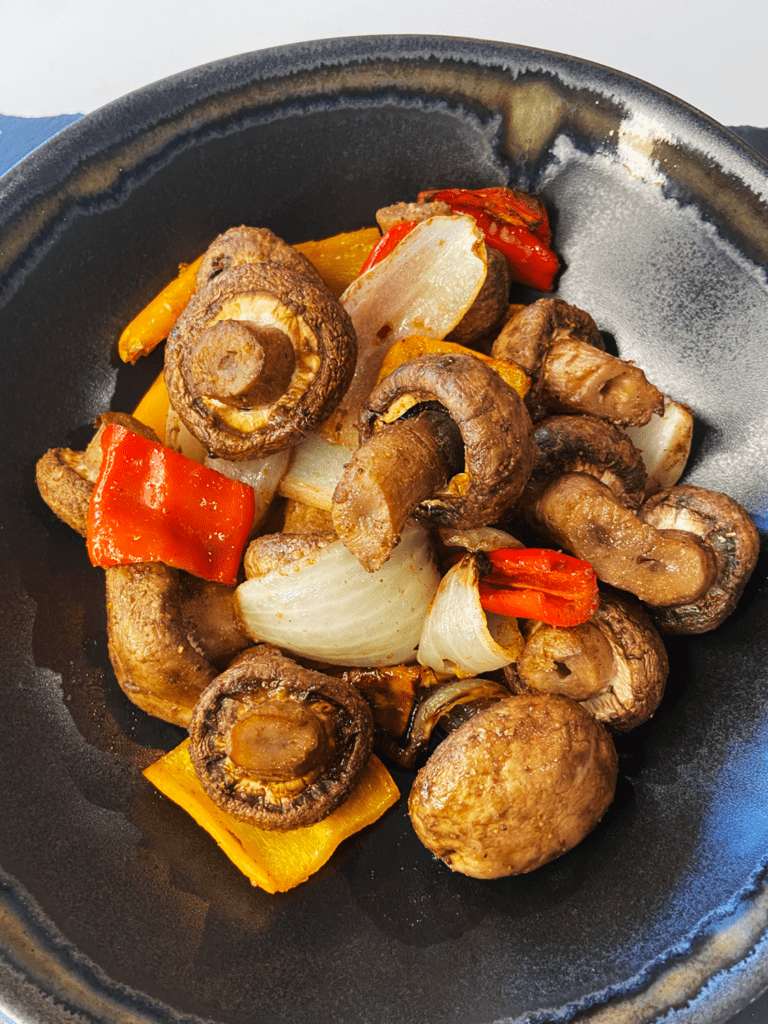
(115, 906)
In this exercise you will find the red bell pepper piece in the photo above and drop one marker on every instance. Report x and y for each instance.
(151, 504)
(536, 583)
(513, 222)
(387, 243)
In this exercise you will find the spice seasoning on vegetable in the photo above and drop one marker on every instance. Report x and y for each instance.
(151, 504)
(535, 583)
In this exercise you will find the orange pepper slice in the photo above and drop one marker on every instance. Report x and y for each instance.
(416, 345)
(155, 322)
(153, 408)
(275, 861)
(338, 259)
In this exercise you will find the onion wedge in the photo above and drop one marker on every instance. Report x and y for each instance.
(458, 635)
(325, 606)
(425, 286)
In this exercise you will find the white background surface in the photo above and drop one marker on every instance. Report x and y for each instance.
(72, 56)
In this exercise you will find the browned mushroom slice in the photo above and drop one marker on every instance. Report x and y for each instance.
(725, 527)
(403, 213)
(260, 358)
(279, 745)
(66, 478)
(615, 664)
(169, 636)
(561, 347)
(422, 471)
(515, 787)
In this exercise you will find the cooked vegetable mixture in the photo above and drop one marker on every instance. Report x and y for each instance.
(374, 505)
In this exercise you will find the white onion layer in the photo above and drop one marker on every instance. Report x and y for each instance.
(263, 475)
(327, 607)
(425, 286)
(665, 444)
(315, 470)
(456, 636)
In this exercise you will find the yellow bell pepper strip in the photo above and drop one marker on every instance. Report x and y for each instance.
(151, 504)
(387, 243)
(153, 408)
(536, 583)
(275, 861)
(416, 345)
(338, 259)
(154, 323)
(513, 222)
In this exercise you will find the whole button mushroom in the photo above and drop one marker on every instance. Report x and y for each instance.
(516, 786)
(277, 744)
(444, 439)
(262, 354)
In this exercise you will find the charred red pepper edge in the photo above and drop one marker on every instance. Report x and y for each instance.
(387, 243)
(152, 504)
(536, 583)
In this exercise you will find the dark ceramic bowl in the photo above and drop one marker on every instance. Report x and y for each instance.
(115, 907)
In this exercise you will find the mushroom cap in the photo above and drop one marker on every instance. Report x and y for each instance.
(615, 664)
(587, 444)
(491, 303)
(260, 357)
(726, 529)
(277, 744)
(495, 428)
(515, 787)
(251, 245)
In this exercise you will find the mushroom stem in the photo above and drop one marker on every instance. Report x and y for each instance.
(389, 476)
(243, 364)
(661, 567)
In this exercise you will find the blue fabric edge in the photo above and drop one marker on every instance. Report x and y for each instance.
(19, 136)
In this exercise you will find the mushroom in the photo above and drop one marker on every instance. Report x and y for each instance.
(561, 347)
(615, 664)
(244, 244)
(726, 529)
(66, 478)
(519, 784)
(170, 634)
(261, 356)
(687, 548)
(587, 444)
(277, 744)
(459, 458)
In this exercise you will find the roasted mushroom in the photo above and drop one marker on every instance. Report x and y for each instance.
(615, 665)
(518, 785)
(688, 548)
(277, 744)
(262, 354)
(725, 528)
(170, 634)
(446, 440)
(561, 347)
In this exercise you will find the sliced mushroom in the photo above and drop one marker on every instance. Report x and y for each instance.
(170, 634)
(66, 478)
(277, 744)
(260, 358)
(615, 664)
(402, 213)
(726, 529)
(413, 467)
(561, 347)
(515, 787)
